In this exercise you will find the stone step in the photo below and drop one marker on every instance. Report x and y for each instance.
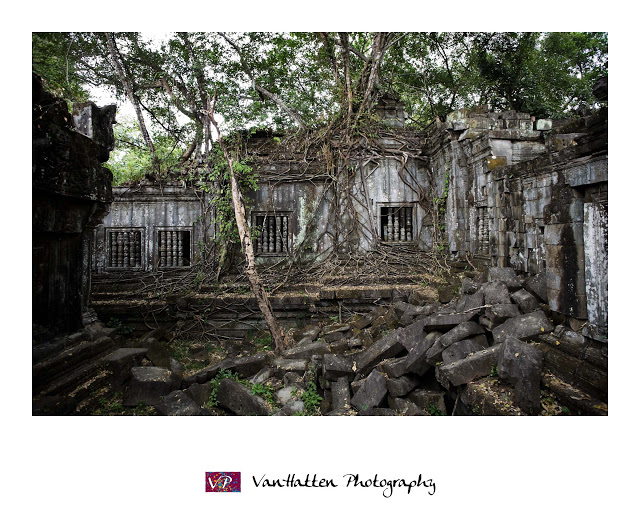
(574, 399)
(490, 396)
(65, 371)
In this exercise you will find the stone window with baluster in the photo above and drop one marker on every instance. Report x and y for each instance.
(124, 248)
(173, 247)
(397, 223)
(272, 233)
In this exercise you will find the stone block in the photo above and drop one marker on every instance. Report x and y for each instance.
(422, 297)
(245, 367)
(335, 366)
(292, 408)
(371, 393)
(239, 400)
(468, 286)
(526, 326)
(544, 124)
(309, 331)
(496, 292)
(401, 385)
(178, 403)
(405, 407)
(462, 349)
(290, 378)
(467, 303)
(428, 400)
(458, 333)
(506, 275)
(561, 364)
(121, 361)
(526, 125)
(594, 377)
(306, 351)
(361, 322)
(446, 321)
(567, 340)
(335, 333)
(394, 368)
(521, 365)
(345, 345)
(525, 301)
(416, 361)
(340, 395)
(261, 376)
(288, 393)
(478, 364)
(148, 385)
(446, 293)
(282, 366)
(386, 347)
(378, 411)
(498, 313)
(199, 393)
(596, 353)
(537, 285)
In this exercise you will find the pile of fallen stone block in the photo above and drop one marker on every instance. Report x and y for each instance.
(408, 358)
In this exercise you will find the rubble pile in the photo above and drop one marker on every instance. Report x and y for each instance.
(493, 349)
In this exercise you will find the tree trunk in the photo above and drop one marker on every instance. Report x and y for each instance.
(111, 44)
(257, 288)
(344, 38)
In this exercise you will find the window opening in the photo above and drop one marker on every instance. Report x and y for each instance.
(396, 223)
(125, 248)
(273, 233)
(174, 248)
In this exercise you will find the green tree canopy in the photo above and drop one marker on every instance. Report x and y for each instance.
(306, 81)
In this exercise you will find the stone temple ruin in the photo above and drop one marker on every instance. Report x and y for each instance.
(515, 207)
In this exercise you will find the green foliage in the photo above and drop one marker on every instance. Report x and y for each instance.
(263, 342)
(434, 411)
(115, 323)
(217, 180)
(494, 371)
(215, 383)
(130, 160)
(266, 392)
(547, 74)
(113, 405)
(52, 59)
(311, 400)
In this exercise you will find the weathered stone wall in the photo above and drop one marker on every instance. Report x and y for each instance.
(531, 199)
(148, 211)
(71, 192)
(514, 191)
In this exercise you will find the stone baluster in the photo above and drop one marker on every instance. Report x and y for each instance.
(272, 239)
(403, 221)
(113, 259)
(138, 261)
(120, 250)
(409, 224)
(396, 226)
(265, 235)
(285, 233)
(174, 249)
(125, 249)
(278, 234)
(163, 248)
(180, 250)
